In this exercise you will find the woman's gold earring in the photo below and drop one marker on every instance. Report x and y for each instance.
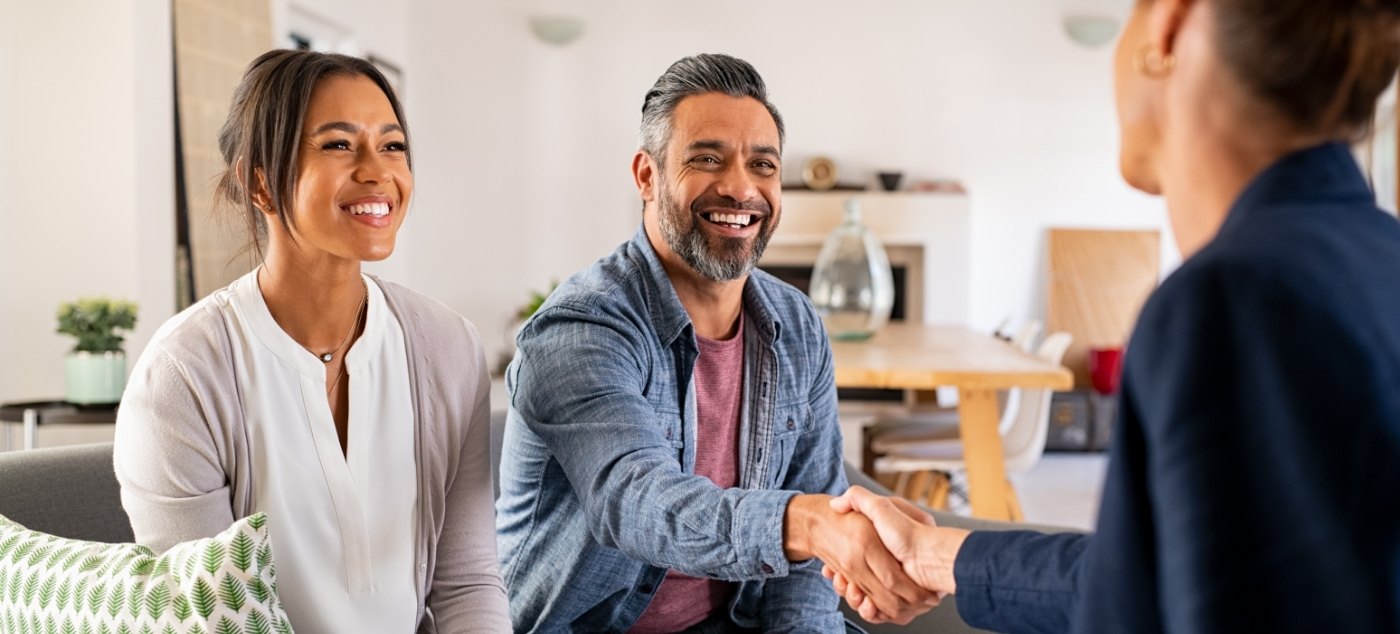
(1152, 64)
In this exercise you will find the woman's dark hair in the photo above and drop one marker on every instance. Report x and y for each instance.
(1321, 64)
(262, 133)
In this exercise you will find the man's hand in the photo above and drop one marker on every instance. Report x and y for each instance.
(847, 542)
(925, 550)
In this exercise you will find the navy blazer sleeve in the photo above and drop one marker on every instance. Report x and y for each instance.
(1019, 581)
(1250, 433)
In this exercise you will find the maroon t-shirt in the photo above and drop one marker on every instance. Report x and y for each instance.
(683, 601)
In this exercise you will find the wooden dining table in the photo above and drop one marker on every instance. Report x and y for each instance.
(919, 357)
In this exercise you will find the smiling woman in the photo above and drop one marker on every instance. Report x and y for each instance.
(286, 392)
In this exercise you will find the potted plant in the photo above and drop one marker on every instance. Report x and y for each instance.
(537, 300)
(96, 368)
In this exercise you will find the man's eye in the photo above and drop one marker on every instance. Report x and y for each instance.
(766, 166)
(339, 144)
(396, 146)
(705, 161)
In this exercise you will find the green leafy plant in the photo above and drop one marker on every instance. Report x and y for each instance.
(536, 301)
(96, 322)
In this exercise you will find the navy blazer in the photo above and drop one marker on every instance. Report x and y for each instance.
(1254, 477)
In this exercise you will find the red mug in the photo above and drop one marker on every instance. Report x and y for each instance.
(1105, 367)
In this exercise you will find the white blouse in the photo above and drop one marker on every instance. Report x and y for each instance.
(342, 526)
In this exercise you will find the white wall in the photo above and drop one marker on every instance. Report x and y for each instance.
(376, 28)
(523, 149)
(86, 151)
(1380, 154)
(6, 319)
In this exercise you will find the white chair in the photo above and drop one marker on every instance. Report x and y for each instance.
(1025, 338)
(921, 463)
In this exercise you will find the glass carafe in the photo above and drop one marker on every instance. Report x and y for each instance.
(852, 286)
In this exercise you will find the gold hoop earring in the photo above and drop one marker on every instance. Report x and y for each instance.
(1152, 64)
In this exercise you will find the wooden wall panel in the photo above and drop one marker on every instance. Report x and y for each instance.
(1098, 281)
(215, 40)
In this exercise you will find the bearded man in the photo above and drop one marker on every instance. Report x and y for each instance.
(672, 442)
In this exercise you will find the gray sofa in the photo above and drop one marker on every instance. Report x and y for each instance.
(66, 491)
(72, 492)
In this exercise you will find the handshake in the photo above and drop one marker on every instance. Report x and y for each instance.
(885, 556)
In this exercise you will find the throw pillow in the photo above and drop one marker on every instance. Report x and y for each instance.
(225, 584)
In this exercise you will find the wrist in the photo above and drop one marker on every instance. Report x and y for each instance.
(938, 557)
(799, 523)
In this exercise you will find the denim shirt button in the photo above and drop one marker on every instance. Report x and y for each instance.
(767, 569)
(791, 425)
(668, 434)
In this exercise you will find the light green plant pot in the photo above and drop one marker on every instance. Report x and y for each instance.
(95, 377)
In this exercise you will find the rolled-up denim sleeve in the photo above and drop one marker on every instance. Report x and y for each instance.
(804, 601)
(578, 386)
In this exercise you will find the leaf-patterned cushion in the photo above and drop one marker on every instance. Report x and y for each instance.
(222, 585)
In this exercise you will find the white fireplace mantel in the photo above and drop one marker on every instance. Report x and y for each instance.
(930, 233)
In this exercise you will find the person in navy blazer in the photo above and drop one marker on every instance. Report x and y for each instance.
(1254, 477)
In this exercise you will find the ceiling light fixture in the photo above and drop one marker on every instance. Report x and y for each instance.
(1091, 31)
(558, 30)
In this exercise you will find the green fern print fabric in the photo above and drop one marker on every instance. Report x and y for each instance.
(222, 585)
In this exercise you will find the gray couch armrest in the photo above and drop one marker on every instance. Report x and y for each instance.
(66, 491)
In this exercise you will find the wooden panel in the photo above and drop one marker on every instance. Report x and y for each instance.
(214, 42)
(1098, 283)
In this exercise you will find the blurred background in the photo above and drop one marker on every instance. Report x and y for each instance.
(524, 115)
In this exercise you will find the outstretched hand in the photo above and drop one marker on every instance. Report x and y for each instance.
(925, 551)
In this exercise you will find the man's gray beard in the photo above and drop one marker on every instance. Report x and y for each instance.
(690, 243)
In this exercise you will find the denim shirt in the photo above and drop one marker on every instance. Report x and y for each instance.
(599, 495)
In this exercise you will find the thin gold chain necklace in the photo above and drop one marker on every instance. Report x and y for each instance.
(327, 357)
(359, 315)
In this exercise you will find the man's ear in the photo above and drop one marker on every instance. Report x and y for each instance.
(644, 174)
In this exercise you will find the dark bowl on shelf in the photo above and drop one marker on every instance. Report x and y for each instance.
(890, 180)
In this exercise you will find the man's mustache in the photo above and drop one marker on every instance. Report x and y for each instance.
(724, 202)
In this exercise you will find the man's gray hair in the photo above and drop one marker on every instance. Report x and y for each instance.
(696, 75)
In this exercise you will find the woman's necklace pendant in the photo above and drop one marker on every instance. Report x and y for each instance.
(326, 358)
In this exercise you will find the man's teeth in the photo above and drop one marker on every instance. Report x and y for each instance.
(740, 220)
(374, 209)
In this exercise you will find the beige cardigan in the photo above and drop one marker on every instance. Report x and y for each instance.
(181, 451)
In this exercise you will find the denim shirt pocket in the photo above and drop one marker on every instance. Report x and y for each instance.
(789, 424)
(669, 422)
